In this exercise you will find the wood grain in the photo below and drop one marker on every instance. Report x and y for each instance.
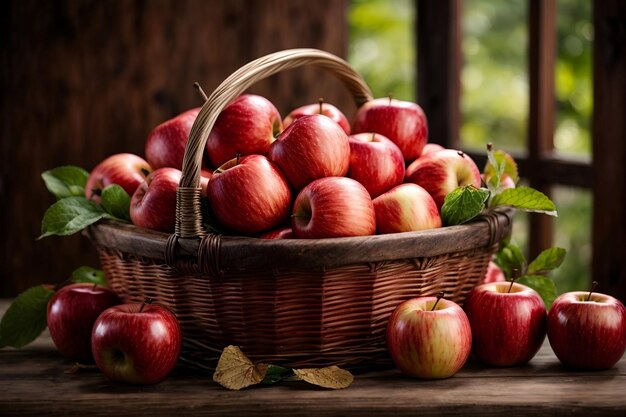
(34, 381)
(82, 80)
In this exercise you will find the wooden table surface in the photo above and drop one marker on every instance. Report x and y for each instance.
(34, 380)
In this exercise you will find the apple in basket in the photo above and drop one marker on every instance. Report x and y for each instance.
(333, 207)
(403, 122)
(429, 337)
(136, 343)
(70, 315)
(125, 169)
(165, 145)
(311, 147)
(442, 172)
(320, 107)
(406, 208)
(508, 322)
(153, 205)
(246, 126)
(249, 195)
(587, 330)
(376, 162)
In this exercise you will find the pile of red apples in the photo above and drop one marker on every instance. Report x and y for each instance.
(312, 174)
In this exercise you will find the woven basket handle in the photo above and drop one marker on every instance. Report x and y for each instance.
(188, 209)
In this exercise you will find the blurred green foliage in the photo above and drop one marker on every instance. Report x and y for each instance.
(494, 99)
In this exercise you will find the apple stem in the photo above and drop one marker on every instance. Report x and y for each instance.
(439, 297)
(145, 172)
(197, 86)
(461, 154)
(321, 102)
(594, 285)
(515, 275)
(146, 301)
(390, 95)
(489, 147)
(238, 156)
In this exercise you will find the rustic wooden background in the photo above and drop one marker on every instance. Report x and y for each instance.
(81, 80)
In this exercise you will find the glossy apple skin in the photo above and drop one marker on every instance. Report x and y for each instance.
(125, 169)
(280, 233)
(333, 207)
(507, 328)
(248, 125)
(311, 147)
(406, 208)
(376, 162)
(442, 172)
(429, 344)
(153, 205)
(70, 315)
(136, 346)
(250, 197)
(494, 273)
(327, 110)
(165, 145)
(589, 335)
(403, 122)
(431, 147)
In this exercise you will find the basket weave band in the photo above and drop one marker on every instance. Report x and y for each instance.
(209, 255)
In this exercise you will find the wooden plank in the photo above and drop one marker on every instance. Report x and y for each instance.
(34, 381)
(439, 60)
(542, 47)
(609, 146)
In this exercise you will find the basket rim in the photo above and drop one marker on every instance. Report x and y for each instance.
(250, 252)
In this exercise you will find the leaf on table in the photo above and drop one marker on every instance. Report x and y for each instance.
(543, 285)
(66, 181)
(70, 215)
(116, 201)
(463, 204)
(546, 261)
(25, 318)
(276, 374)
(235, 371)
(329, 377)
(88, 274)
(525, 198)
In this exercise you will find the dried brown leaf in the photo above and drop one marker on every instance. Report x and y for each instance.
(235, 371)
(329, 377)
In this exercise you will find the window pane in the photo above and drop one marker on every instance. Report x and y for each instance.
(494, 80)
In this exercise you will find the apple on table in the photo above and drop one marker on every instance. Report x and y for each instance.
(587, 330)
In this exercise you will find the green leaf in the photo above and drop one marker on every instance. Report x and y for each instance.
(500, 163)
(463, 204)
(116, 201)
(70, 215)
(66, 181)
(510, 259)
(547, 260)
(276, 374)
(88, 274)
(525, 198)
(543, 285)
(26, 317)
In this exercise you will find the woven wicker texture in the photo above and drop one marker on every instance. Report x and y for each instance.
(300, 303)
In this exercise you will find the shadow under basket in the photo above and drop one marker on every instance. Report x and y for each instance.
(298, 303)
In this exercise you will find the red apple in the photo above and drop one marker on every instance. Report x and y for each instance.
(587, 331)
(428, 338)
(125, 169)
(153, 205)
(442, 172)
(431, 147)
(205, 176)
(249, 196)
(406, 208)
(508, 322)
(333, 207)
(321, 107)
(70, 315)
(165, 145)
(311, 147)
(280, 233)
(376, 162)
(136, 343)
(494, 273)
(248, 125)
(403, 122)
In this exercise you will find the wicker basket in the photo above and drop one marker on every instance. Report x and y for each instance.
(299, 303)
